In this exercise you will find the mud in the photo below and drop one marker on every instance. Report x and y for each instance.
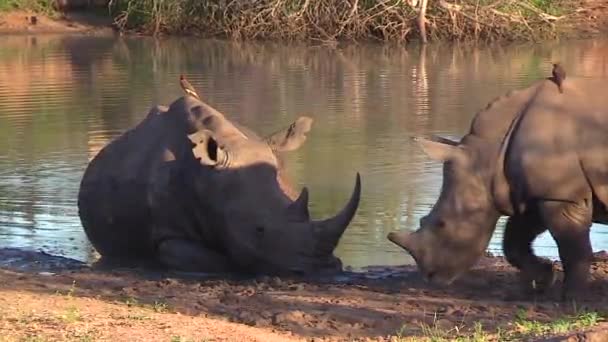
(377, 303)
(27, 22)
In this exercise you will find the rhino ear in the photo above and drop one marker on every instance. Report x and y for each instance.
(291, 138)
(298, 210)
(439, 150)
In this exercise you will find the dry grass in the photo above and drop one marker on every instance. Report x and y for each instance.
(329, 21)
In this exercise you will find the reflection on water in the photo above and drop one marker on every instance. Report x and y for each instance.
(63, 98)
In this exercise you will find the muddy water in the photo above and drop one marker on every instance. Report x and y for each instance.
(62, 98)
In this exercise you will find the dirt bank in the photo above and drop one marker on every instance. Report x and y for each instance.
(119, 304)
(19, 21)
(588, 18)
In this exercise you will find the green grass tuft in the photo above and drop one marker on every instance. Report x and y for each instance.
(38, 6)
(522, 329)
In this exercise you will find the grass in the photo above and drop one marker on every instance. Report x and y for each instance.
(70, 292)
(521, 329)
(330, 21)
(552, 7)
(158, 306)
(71, 315)
(558, 326)
(38, 6)
(130, 301)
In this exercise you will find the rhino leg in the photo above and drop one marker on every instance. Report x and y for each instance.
(537, 273)
(189, 256)
(569, 224)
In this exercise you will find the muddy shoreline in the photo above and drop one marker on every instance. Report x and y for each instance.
(29, 22)
(379, 304)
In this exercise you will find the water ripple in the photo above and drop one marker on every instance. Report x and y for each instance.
(63, 98)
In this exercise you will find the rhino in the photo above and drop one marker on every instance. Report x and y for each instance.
(190, 190)
(535, 155)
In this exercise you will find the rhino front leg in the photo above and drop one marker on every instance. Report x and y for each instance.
(537, 273)
(569, 224)
(189, 256)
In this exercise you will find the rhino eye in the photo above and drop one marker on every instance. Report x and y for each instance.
(259, 230)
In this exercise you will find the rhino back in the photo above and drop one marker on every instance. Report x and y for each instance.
(489, 130)
(559, 149)
(113, 198)
(494, 121)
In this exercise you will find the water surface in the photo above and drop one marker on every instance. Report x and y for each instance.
(62, 98)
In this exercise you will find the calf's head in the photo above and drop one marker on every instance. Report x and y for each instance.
(240, 186)
(453, 236)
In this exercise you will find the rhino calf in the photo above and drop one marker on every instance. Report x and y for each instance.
(533, 155)
(193, 191)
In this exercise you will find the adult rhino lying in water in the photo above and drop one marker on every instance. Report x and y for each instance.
(535, 155)
(195, 192)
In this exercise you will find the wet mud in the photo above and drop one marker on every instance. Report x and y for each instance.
(377, 303)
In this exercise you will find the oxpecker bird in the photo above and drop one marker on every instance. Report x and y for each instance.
(187, 87)
(559, 75)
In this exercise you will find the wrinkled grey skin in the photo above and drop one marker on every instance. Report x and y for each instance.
(535, 155)
(191, 190)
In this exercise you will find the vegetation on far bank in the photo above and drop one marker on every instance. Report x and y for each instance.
(331, 21)
(39, 6)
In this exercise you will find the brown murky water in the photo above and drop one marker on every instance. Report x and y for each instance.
(63, 97)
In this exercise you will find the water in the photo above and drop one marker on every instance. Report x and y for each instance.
(64, 97)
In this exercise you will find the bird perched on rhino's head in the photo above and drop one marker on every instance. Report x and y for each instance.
(187, 87)
(559, 75)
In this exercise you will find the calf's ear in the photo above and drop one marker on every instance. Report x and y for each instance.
(292, 137)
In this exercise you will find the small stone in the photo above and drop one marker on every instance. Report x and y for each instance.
(167, 282)
(246, 318)
(286, 317)
(442, 309)
(279, 318)
(296, 287)
(457, 313)
(263, 279)
(276, 282)
(444, 324)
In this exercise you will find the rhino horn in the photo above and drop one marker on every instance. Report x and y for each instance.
(330, 230)
(298, 210)
(406, 240)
